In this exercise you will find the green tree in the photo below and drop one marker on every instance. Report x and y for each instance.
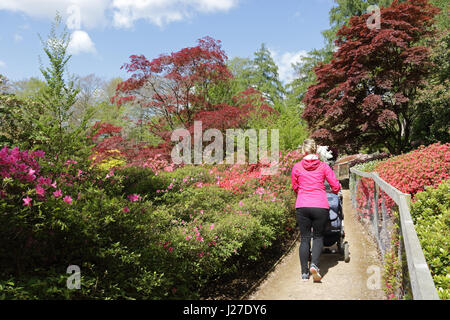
(55, 134)
(341, 13)
(304, 76)
(28, 88)
(4, 87)
(264, 77)
(433, 100)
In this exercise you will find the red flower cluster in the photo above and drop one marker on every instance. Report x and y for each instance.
(409, 173)
(413, 171)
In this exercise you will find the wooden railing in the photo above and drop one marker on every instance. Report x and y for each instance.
(420, 279)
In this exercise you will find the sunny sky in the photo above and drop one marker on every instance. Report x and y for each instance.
(106, 32)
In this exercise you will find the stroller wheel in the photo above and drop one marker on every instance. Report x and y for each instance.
(346, 252)
(340, 246)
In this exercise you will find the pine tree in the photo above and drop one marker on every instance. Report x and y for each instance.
(265, 78)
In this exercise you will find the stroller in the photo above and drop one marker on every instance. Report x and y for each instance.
(334, 230)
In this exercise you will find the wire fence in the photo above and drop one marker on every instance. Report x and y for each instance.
(384, 211)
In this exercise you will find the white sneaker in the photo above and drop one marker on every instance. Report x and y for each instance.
(315, 273)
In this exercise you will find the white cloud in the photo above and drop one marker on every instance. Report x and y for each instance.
(119, 13)
(284, 62)
(92, 12)
(80, 42)
(17, 37)
(162, 12)
(2, 64)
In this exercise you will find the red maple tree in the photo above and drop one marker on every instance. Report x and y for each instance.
(174, 86)
(175, 89)
(362, 97)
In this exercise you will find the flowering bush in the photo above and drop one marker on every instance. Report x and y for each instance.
(427, 168)
(113, 160)
(134, 232)
(413, 171)
(409, 173)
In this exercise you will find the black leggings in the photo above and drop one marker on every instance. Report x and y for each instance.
(317, 219)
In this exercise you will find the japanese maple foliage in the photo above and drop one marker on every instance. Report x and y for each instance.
(175, 88)
(362, 97)
(176, 84)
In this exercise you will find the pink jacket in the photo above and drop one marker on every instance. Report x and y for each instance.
(308, 177)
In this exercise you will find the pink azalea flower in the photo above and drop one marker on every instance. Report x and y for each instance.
(241, 203)
(54, 184)
(134, 197)
(27, 201)
(57, 193)
(79, 173)
(40, 191)
(126, 209)
(67, 199)
(31, 172)
(211, 226)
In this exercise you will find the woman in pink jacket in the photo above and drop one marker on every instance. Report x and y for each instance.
(308, 177)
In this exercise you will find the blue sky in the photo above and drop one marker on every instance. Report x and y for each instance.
(106, 32)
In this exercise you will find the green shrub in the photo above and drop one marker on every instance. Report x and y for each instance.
(166, 244)
(114, 248)
(431, 215)
(135, 180)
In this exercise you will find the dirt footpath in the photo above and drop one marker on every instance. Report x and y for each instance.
(355, 280)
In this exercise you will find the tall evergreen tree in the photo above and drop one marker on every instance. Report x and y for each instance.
(265, 77)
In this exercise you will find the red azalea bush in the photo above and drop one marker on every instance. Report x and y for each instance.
(413, 171)
(409, 173)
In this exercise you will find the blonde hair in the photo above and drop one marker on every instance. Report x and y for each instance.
(309, 146)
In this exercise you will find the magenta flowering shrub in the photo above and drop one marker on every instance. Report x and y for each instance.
(22, 178)
(20, 165)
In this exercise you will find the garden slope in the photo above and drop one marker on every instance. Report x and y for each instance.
(340, 280)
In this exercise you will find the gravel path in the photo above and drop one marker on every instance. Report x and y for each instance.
(354, 280)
